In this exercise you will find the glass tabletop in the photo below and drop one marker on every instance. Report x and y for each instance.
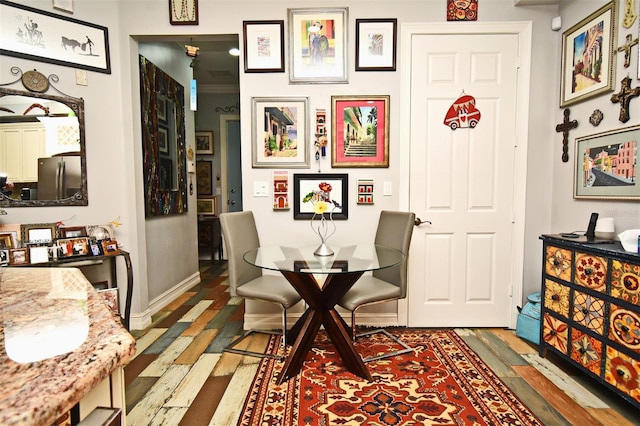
(351, 258)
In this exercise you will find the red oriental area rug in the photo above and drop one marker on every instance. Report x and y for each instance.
(442, 382)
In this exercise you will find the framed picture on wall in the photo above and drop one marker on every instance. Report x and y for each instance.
(376, 44)
(606, 165)
(305, 184)
(263, 46)
(588, 56)
(43, 36)
(360, 131)
(204, 182)
(204, 142)
(318, 45)
(280, 136)
(207, 206)
(183, 12)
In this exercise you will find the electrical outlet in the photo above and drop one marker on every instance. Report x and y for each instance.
(81, 78)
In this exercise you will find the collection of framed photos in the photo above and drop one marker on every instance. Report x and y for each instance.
(605, 163)
(317, 39)
(26, 244)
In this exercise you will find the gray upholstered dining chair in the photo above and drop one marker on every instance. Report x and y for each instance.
(241, 235)
(394, 230)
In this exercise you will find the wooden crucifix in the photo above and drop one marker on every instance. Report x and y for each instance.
(626, 48)
(564, 127)
(624, 96)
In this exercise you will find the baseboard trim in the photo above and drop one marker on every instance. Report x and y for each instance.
(142, 320)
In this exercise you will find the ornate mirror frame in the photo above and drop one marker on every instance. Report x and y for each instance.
(37, 85)
(156, 87)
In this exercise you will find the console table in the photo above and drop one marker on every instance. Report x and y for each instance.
(80, 261)
(591, 311)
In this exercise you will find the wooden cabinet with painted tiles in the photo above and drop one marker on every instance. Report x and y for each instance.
(591, 311)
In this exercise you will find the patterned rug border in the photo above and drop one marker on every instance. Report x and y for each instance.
(280, 405)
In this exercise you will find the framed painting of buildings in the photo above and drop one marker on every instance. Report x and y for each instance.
(360, 131)
(280, 136)
(607, 165)
(588, 56)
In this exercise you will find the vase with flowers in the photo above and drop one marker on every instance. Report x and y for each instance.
(322, 220)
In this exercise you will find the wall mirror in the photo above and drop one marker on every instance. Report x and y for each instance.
(163, 141)
(42, 144)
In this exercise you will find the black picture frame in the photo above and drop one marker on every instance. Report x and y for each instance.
(54, 39)
(263, 46)
(376, 44)
(303, 183)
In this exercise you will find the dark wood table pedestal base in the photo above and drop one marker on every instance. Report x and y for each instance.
(321, 311)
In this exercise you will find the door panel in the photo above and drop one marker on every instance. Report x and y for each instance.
(234, 174)
(462, 180)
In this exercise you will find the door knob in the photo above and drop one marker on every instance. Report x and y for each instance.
(420, 221)
(233, 191)
(233, 202)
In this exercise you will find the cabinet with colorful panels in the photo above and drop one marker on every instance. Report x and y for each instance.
(591, 311)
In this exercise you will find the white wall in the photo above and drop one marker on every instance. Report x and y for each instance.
(158, 248)
(573, 214)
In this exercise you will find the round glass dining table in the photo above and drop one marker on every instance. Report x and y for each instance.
(340, 271)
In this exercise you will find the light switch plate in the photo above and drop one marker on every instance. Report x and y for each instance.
(81, 78)
(387, 188)
(260, 189)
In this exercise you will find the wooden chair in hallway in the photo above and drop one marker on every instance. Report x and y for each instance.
(394, 230)
(247, 281)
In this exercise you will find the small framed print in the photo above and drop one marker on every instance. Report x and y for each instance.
(110, 248)
(204, 142)
(38, 233)
(207, 206)
(161, 108)
(204, 182)
(263, 46)
(19, 256)
(38, 254)
(4, 257)
(183, 12)
(73, 231)
(95, 247)
(6, 241)
(73, 246)
(376, 41)
(305, 184)
(63, 5)
(163, 140)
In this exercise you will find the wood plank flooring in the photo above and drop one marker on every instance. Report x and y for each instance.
(180, 376)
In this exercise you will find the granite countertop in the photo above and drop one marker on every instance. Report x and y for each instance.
(58, 340)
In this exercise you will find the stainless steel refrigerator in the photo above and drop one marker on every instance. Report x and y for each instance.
(58, 177)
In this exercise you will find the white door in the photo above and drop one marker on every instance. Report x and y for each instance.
(462, 181)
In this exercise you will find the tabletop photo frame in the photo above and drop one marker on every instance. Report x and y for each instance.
(376, 41)
(69, 42)
(318, 45)
(360, 131)
(585, 76)
(263, 46)
(304, 183)
(606, 165)
(280, 136)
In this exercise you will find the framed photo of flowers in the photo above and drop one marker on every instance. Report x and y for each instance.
(376, 41)
(606, 165)
(331, 188)
(588, 56)
(280, 136)
(318, 45)
(360, 131)
(263, 46)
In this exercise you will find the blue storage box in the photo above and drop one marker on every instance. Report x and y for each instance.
(528, 323)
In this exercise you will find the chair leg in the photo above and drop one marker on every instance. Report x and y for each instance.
(406, 347)
(231, 347)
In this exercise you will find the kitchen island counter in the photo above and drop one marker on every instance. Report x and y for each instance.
(58, 341)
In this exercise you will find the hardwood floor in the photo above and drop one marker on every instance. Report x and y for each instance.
(180, 376)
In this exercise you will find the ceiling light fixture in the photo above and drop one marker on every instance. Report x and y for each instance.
(192, 51)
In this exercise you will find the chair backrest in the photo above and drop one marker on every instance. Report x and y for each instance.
(240, 235)
(395, 230)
